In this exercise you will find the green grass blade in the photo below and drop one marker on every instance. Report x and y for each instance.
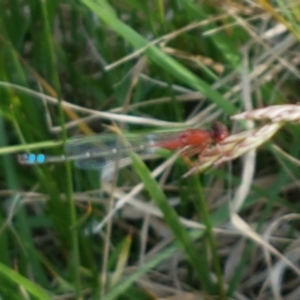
(172, 219)
(22, 281)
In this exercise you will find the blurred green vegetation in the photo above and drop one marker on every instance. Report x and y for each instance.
(76, 67)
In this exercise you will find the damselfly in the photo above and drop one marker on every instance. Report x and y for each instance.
(93, 152)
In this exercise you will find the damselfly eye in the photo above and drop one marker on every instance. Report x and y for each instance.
(220, 131)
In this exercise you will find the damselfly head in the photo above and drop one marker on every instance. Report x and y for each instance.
(219, 131)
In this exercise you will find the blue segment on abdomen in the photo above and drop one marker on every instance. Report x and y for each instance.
(36, 158)
(40, 158)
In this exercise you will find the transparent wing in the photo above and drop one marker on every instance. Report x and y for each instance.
(95, 151)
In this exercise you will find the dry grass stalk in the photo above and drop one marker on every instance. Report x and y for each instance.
(238, 144)
(275, 113)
